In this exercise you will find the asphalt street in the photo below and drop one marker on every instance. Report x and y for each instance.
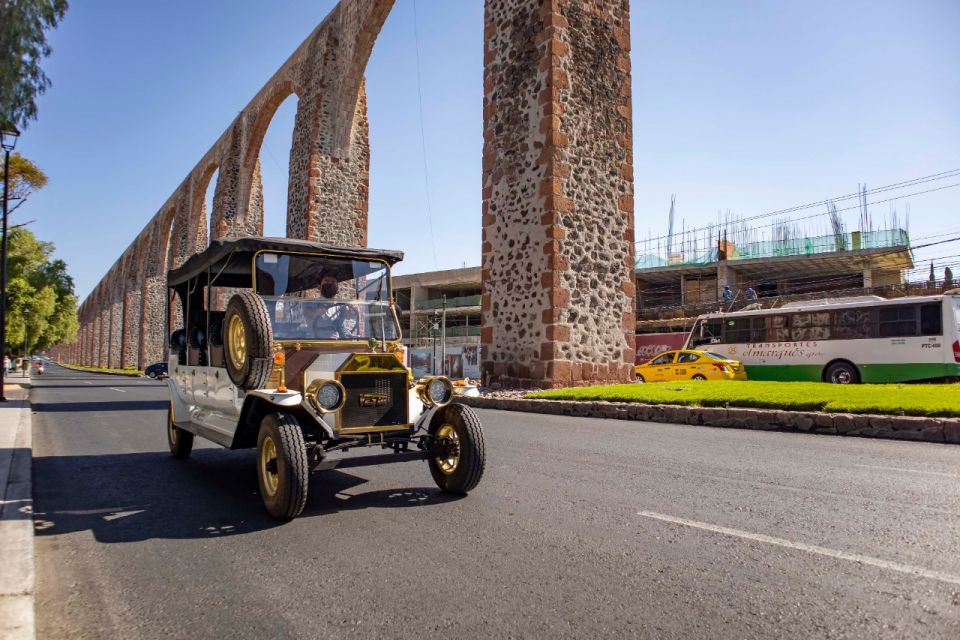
(580, 528)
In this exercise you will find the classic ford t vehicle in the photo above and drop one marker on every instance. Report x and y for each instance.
(304, 360)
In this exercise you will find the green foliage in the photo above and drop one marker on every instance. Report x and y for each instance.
(23, 45)
(41, 305)
(25, 178)
(911, 399)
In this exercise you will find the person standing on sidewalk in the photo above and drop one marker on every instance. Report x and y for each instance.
(6, 364)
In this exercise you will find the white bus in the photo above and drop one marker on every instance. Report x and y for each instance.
(847, 340)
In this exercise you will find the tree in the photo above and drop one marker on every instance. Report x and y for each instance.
(25, 178)
(947, 278)
(23, 44)
(41, 305)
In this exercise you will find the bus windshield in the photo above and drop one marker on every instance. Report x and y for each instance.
(312, 297)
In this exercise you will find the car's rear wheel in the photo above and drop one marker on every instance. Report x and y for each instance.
(248, 341)
(699, 376)
(282, 467)
(180, 440)
(460, 455)
(640, 378)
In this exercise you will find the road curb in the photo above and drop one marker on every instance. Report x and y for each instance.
(17, 572)
(917, 429)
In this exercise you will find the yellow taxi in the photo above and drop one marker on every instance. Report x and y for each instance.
(690, 365)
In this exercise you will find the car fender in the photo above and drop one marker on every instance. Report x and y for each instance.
(181, 410)
(257, 404)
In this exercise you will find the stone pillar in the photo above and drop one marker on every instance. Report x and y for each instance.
(328, 197)
(116, 330)
(558, 288)
(867, 278)
(103, 354)
(132, 314)
(153, 327)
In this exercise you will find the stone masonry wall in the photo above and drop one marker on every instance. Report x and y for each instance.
(557, 190)
(558, 292)
(329, 175)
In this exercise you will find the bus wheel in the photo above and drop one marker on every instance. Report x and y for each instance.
(842, 373)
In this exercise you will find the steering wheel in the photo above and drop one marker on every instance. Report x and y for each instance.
(333, 321)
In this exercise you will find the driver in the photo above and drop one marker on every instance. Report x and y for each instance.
(330, 318)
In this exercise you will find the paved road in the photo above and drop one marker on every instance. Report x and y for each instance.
(581, 528)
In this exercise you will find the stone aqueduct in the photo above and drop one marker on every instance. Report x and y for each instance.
(557, 190)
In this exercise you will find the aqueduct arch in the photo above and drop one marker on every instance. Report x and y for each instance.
(557, 189)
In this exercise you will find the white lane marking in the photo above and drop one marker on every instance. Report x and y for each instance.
(929, 473)
(115, 389)
(86, 382)
(809, 548)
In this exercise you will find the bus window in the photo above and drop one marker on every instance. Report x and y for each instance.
(931, 320)
(706, 332)
(778, 328)
(737, 331)
(898, 322)
(743, 330)
(810, 326)
(853, 324)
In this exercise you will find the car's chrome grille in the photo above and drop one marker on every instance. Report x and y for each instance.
(374, 400)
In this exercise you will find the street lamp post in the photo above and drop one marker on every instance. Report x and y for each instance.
(8, 138)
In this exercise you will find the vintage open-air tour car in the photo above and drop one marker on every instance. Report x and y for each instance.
(304, 360)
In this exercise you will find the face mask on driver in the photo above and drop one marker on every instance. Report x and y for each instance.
(328, 289)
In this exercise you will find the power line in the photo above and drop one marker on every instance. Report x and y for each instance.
(825, 213)
(897, 185)
(423, 138)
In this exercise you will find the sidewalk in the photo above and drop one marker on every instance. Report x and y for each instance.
(16, 514)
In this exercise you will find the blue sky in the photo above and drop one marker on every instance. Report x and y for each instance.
(747, 106)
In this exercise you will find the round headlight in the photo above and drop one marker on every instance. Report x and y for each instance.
(440, 391)
(329, 396)
(326, 395)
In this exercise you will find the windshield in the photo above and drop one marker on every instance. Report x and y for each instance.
(312, 297)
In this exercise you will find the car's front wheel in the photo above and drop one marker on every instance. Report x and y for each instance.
(179, 440)
(699, 376)
(640, 379)
(459, 455)
(282, 468)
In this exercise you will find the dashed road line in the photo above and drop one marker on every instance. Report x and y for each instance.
(809, 548)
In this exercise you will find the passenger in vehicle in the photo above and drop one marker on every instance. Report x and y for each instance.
(330, 318)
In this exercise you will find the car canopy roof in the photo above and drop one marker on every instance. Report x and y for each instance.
(230, 260)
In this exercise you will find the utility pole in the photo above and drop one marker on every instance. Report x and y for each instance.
(434, 328)
(8, 138)
(443, 338)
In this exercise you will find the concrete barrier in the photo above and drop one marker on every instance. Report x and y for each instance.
(921, 429)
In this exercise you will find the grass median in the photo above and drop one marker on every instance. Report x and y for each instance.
(122, 372)
(893, 399)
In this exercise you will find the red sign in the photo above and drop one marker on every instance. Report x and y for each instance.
(650, 344)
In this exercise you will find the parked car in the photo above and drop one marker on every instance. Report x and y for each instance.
(302, 362)
(157, 370)
(690, 365)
